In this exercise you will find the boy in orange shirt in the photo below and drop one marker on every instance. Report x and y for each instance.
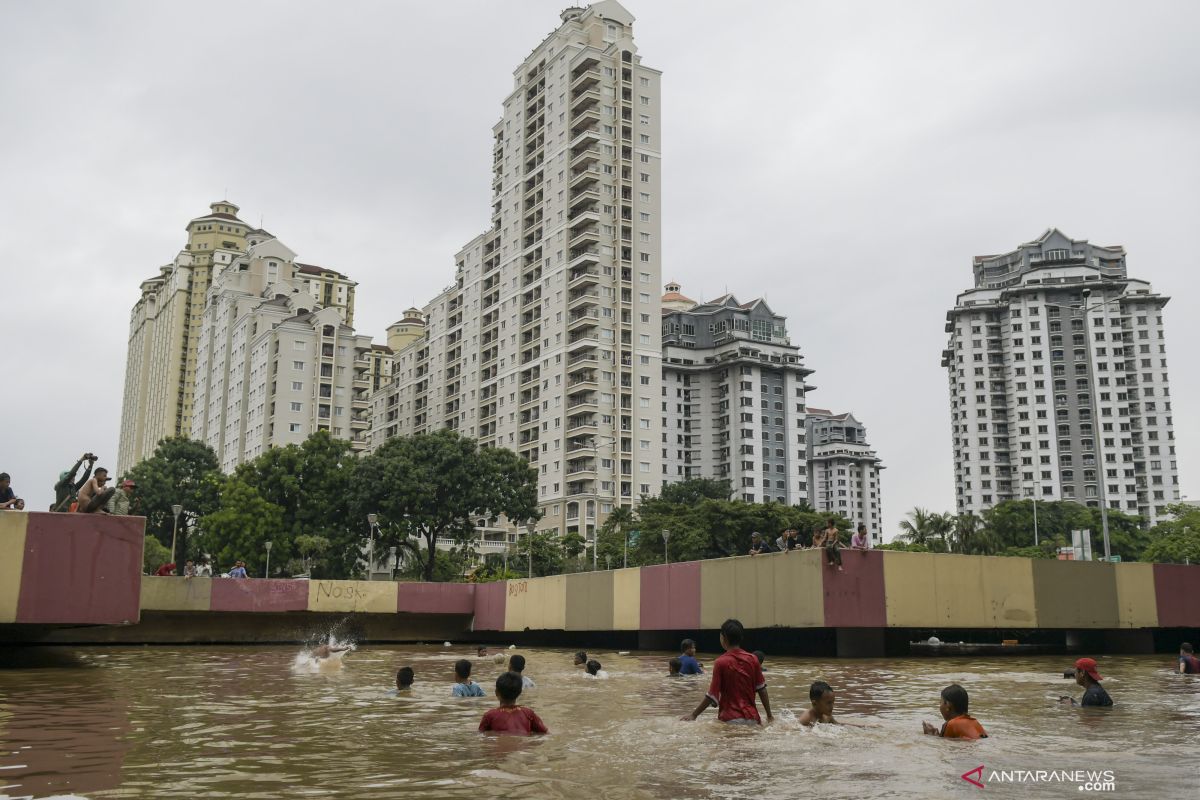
(959, 724)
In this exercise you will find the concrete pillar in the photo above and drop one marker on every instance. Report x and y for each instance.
(860, 643)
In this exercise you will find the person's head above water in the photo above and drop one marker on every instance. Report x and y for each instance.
(1086, 672)
(761, 656)
(1186, 647)
(731, 634)
(954, 701)
(404, 677)
(687, 647)
(508, 688)
(820, 694)
(516, 664)
(462, 670)
(674, 665)
(482, 651)
(593, 666)
(580, 658)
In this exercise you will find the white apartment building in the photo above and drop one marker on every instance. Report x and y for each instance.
(272, 365)
(547, 342)
(1057, 370)
(844, 470)
(733, 399)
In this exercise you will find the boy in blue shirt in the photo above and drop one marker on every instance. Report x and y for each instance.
(465, 687)
(688, 665)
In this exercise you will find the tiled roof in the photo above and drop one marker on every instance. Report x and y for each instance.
(312, 269)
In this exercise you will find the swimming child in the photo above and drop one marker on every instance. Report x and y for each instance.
(404, 679)
(509, 717)
(594, 670)
(326, 650)
(688, 665)
(480, 652)
(959, 724)
(736, 678)
(581, 659)
(464, 686)
(1188, 663)
(673, 667)
(517, 664)
(761, 656)
(820, 694)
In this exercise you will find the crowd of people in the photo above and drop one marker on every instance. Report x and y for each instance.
(89, 494)
(828, 539)
(738, 685)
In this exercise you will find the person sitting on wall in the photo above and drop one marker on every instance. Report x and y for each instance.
(239, 570)
(121, 502)
(759, 544)
(860, 540)
(959, 724)
(8, 498)
(1188, 663)
(66, 490)
(1088, 676)
(788, 540)
(93, 496)
(831, 541)
(165, 570)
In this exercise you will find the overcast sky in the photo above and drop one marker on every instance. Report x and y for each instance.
(844, 159)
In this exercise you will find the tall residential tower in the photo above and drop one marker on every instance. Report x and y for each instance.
(547, 341)
(1057, 365)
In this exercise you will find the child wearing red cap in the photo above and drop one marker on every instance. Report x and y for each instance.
(1087, 676)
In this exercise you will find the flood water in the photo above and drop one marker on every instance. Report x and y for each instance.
(246, 722)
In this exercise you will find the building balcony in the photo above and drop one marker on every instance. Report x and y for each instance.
(583, 177)
(357, 424)
(583, 401)
(582, 319)
(584, 156)
(584, 379)
(579, 344)
(584, 236)
(583, 278)
(584, 120)
(582, 299)
(585, 79)
(582, 425)
(584, 99)
(585, 257)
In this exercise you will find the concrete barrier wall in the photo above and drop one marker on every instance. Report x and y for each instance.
(874, 589)
(58, 569)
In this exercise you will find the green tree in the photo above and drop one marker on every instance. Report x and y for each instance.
(926, 528)
(243, 525)
(181, 471)
(436, 485)
(155, 555)
(611, 536)
(311, 483)
(1177, 540)
(309, 548)
(547, 554)
(693, 490)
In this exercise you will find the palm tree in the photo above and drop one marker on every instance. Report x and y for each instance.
(926, 528)
(972, 536)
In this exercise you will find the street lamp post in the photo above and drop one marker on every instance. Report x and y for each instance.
(177, 509)
(371, 518)
(267, 571)
(1033, 496)
(395, 561)
(666, 557)
(529, 546)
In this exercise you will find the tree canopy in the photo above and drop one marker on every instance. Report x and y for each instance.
(181, 471)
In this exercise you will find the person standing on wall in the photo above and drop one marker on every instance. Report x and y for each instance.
(67, 489)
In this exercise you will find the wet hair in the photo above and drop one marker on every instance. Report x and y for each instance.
(593, 666)
(1186, 647)
(517, 663)
(462, 668)
(819, 688)
(404, 677)
(732, 630)
(685, 644)
(761, 656)
(956, 696)
(4, 476)
(675, 665)
(581, 657)
(508, 686)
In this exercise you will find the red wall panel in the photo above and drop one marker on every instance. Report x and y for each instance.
(854, 597)
(490, 606)
(436, 598)
(1177, 595)
(671, 597)
(81, 568)
(253, 594)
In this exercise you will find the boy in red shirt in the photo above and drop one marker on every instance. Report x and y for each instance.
(959, 724)
(510, 717)
(736, 677)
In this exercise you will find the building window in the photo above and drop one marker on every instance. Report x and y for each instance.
(297, 365)
(296, 406)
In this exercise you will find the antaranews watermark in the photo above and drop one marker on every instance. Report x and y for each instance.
(1087, 780)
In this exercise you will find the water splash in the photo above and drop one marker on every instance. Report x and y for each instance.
(324, 654)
